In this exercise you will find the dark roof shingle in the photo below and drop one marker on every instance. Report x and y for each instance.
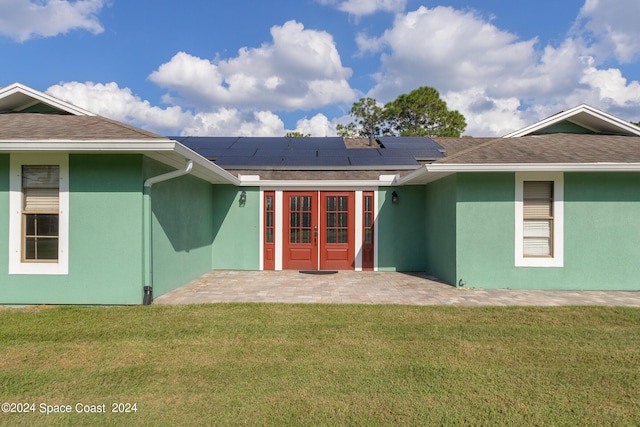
(552, 148)
(36, 126)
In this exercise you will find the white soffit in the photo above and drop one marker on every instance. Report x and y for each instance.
(585, 116)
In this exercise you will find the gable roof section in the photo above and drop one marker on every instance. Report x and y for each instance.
(18, 97)
(583, 116)
(594, 141)
(74, 130)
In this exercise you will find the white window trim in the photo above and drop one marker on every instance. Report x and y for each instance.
(16, 265)
(557, 260)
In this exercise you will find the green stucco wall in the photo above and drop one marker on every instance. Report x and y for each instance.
(401, 229)
(440, 219)
(236, 228)
(601, 239)
(182, 228)
(105, 238)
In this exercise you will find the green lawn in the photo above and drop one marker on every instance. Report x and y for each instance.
(275, 364)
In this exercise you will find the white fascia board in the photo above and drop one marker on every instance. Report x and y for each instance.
(86, 145)
(272, 184)
(205, 163)
(142, 146)
(416, 174)
(535, 167)
(365, 185)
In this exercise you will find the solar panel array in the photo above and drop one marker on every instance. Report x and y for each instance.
(312, 153)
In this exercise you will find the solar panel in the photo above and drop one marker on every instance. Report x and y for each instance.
(240, 162)
(315, 162)
(334, 153)
(329, 143)
(266, 151)
(314, 153)
(281, 143)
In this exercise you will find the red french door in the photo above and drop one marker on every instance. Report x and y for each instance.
(301, 231)
(338, 231)
(319, 230)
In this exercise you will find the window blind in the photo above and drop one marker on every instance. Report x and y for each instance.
(538, 218)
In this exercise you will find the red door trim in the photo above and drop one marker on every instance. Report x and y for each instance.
(368, 236)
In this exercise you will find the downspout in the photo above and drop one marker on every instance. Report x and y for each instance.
(147, 216)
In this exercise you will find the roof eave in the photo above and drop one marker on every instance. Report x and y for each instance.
(533, 167)
(164, 150)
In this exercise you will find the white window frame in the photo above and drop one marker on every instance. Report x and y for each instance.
(16, 263)
(557, 260)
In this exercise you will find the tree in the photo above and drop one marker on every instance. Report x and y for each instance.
(421, 112)
(418, 113)
(368, 119)
(296, 134)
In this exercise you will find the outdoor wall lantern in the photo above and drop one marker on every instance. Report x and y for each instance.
(394, 197)
(243, 198)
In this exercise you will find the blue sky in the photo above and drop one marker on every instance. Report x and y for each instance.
(255, 68)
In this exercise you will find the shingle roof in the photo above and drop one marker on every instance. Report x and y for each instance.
(36, 126)
(552, 148)
(453, 145)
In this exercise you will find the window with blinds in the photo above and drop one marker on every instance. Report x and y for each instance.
(40, 211)
(538, 218)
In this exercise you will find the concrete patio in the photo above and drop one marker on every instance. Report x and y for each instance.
(368, 287)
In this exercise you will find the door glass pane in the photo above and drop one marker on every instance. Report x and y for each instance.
(331, 235)
(368, 203)
(306, 219)
(342, 220)
(306, 203)
(368, 236)
(331, 203)
(269, 203)
(306, 235)
(269, 219)
(367, 219)
(294, 236)
(343, 203)
(269, 236)
(331, 220)
(294, 202)
(343, 236)
(294, 219)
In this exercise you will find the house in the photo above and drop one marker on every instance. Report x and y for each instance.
(94, 211)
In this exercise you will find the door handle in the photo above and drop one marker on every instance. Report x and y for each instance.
(315, 235)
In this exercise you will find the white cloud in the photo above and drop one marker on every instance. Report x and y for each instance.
(300, 69)
(611, 28)
(109, 100)
(318, 125)
(231, 122)
(25, 19)
(452, 49)
(366, 7)
(498, 81)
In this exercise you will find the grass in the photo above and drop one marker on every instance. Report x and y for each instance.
(273, 364)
